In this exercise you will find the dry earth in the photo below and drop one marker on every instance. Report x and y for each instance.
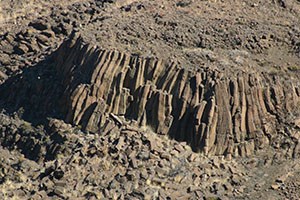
(117, 99)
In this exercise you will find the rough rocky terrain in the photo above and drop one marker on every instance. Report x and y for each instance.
(122, 99)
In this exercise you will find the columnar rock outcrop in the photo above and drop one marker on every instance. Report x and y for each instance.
(214, 112)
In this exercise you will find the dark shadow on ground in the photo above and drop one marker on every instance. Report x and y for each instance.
(35, 94)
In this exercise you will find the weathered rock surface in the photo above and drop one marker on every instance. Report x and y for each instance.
(126, 162)
(214, 112)
(223, 81)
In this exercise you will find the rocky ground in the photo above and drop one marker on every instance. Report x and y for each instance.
(123, 99)
(124, 162)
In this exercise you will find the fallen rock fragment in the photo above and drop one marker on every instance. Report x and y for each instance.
(21, 49)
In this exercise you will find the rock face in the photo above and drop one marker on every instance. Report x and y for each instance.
(215, 112)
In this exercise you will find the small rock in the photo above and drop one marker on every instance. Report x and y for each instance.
(275, 186)
(192, 157)
(282, 178)
(39, 25)
(9, 38)
(216, 162)
(133, 163)
(21, 49)
(128, 187)
(4, 59)
(143, 155)
(199, 194)
(297, 122)
(48, 33)
(192, 189)
(126, 8)
(183, 3)
(6, 47)
(144, 174)
(60, 183)
(165, 155)
(3, 76)
(42, 39)
(178, 178)
(159, 181)
(228, 187)
(116, 119)
(179, 148)
(58, 174)
(148, 182)
(120, 144)
(59, 190)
